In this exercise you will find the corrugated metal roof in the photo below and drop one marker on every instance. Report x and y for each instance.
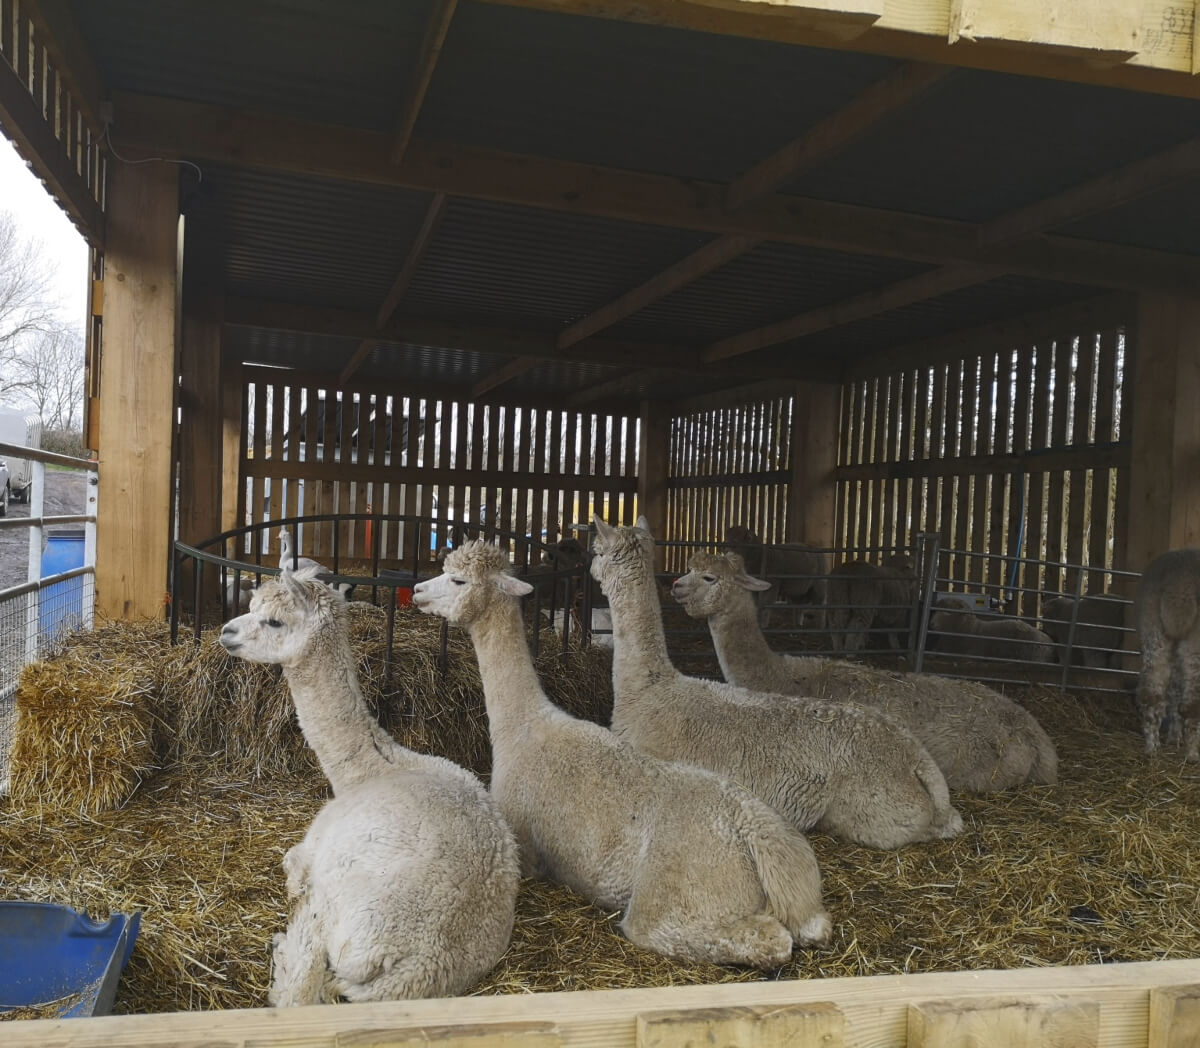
(519, 267)
(647, 98)
(345, 63)
(983, 143)
(302, 239)
(770, 283)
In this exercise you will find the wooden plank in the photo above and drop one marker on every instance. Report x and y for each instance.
(1001, 482)
(969, 466)
(879, 410)
(363, 350)
(631, 469)
(436, 29)
(233, 449)
(1064, 382)
(1103, 30)
(59, 34)
(416, 251)
(1018, 504)
(984, 443)
(1174, 1016)
(200, 428)
(964, 430)
(765, 1027)
(1100, 511)
(878, 300)
(1035, 500)
(494, 1035)
(1078, 479)
(919, 452)
(811, 465)
(444, 462)
(876, 1009)
(262, 470)
(1033, 1021)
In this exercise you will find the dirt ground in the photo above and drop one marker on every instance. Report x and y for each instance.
(65, 493)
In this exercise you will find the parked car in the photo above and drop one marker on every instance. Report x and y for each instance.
(4, 492)
(16, 427)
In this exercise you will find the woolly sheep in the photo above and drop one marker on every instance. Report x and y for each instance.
(405, 884)
(864, 597)
(1098, 636)
(851, 771)
(702, 870)
(961, 632)
(981, 740)
(1168, 621)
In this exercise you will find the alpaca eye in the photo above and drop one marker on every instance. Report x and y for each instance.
(708, 578)
(275, 624)
(460, 582)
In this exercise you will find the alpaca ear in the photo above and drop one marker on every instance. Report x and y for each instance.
(643, 524)
(751, 583)
(513, 586)
(293, 586)
(603, 528)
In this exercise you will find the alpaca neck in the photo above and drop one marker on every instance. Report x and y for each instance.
(741, 648)
(640, 654)
(348, 742)
(512, 692)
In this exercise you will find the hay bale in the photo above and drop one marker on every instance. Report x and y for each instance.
(85, 732)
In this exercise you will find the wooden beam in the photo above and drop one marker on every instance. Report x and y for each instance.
(22, 120)
(919, 30)
(516, 366)
(420, 244)
(878, 300)
(1109, 190)
(828, 137)
(875, 1010)
(59, 34)
(711, 256)
(137, 392)
(431, 49)
(361, 352)
(174, 128)
(1101, 30)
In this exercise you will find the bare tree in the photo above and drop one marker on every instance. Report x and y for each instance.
(46, 372)
(27, 307)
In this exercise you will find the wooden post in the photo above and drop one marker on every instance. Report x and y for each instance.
(654, 448)
(137, 390)
(1162, 372)
(233, 426)
(200, 424)
(812, 498)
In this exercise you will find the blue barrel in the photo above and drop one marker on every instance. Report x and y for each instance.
(61, 605)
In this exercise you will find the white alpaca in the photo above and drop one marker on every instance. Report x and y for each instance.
(288, 559)
(981, 740)
(405, 883)
(846, 769)
(702, 870)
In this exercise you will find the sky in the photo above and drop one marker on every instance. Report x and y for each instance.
(39, 217)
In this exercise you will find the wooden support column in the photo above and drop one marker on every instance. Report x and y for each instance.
(1162, 385)
(233, 430)
(200, 422)
(812, 498)
(137, 391)
(654, 453)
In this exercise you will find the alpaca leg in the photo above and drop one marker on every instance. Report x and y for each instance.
(1188, 697)
(859, 626)
(301, 969)
(1153, 683)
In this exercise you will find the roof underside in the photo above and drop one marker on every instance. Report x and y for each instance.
(627, 97)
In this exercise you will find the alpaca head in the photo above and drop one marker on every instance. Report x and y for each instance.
(286, 615)
(739, 535)
(619, 554)
(471, 577)
(564, 555)
(715, 582)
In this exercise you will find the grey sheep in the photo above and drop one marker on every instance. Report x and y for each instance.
(864, 597)
(1098, 635)
(795, 570)
(961, 632)
(1168, 622)
(980, 739)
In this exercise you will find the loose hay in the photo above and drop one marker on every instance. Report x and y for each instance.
(1102, 867)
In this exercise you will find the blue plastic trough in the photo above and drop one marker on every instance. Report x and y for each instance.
(59, 961)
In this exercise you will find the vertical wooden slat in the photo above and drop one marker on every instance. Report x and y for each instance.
(1035, 546)
(962, 494)
(1106, 384)
(984, 443)
(445, 492)
(1001, 481)
(879, 407)
(898, 390)
(507, 465)
(1061, 413)
(949, 431)
(260, 456)
(1018, 509)
(922, 391)
(570, 470)
(631, 468)
(1077, 508)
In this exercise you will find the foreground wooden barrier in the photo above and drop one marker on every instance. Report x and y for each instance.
(1154, 1004)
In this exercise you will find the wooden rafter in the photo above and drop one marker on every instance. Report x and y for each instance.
(431, 49)
(213, 133)
(59, 34)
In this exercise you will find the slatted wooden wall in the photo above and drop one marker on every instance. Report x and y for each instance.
(531, 471)
(729, 465)
(1002, 451)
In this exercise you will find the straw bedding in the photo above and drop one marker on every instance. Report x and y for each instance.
(1105, 866)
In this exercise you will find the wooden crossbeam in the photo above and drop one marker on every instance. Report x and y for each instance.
(173, 128)
(420, 244)
(516, 366)
(360, 354)
(431, 49)
(879, 300)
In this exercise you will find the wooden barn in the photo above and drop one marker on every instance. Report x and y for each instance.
(847, 271)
